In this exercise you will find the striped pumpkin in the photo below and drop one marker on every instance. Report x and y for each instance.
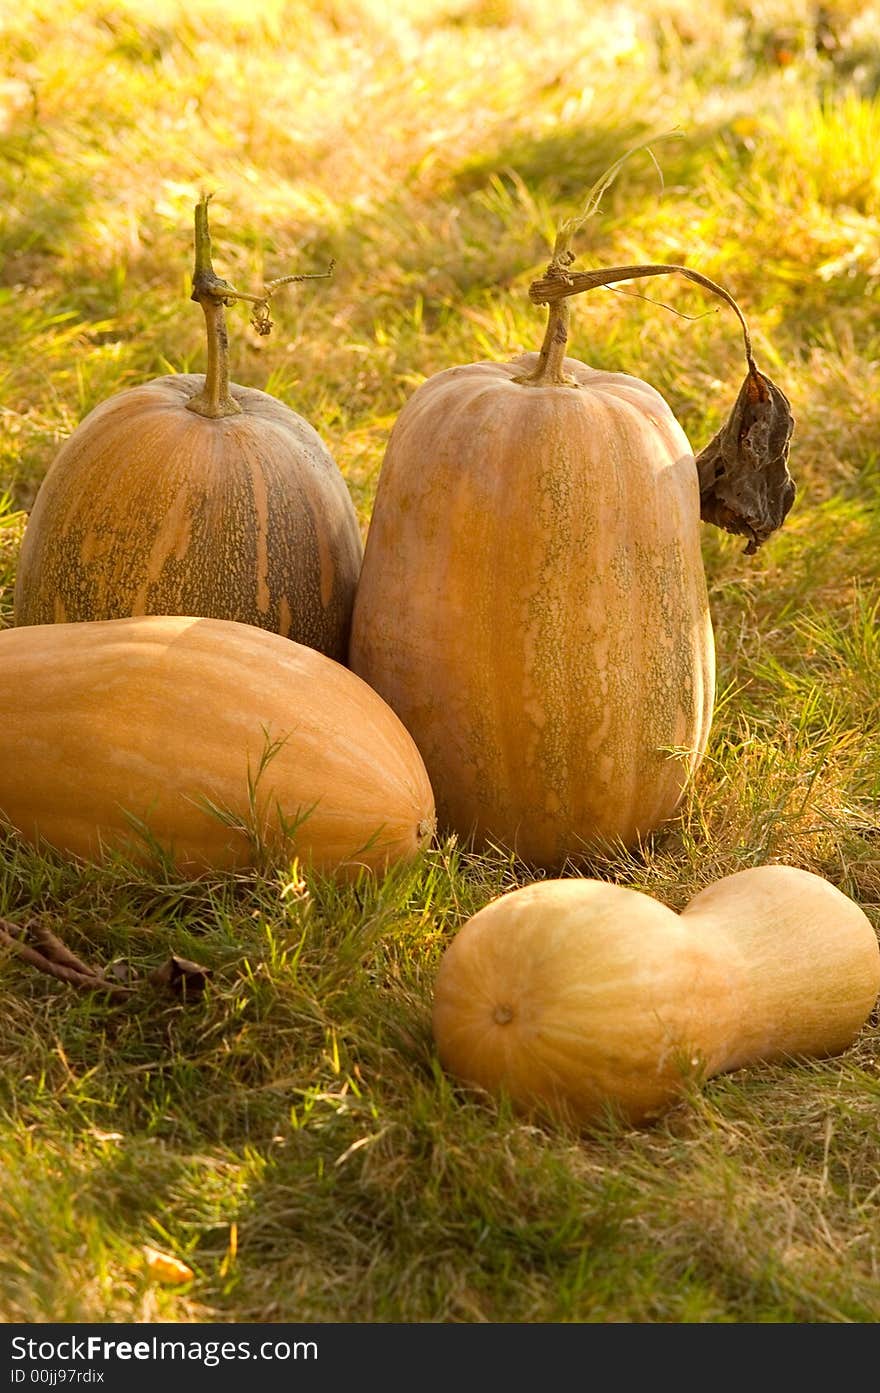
(191, 495)
(151, 508)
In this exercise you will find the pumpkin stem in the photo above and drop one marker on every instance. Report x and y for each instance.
(549, 370)
(214, 294)
(745, 486)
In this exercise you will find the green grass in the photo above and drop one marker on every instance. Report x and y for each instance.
(289, 1133)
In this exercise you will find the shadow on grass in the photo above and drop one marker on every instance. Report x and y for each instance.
(46, 201)
(564, 165)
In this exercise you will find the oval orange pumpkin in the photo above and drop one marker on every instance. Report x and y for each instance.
(532, 600)
(533, 604)
(209, 740)
(191, 495)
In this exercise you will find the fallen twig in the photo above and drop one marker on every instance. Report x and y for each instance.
(48, 954)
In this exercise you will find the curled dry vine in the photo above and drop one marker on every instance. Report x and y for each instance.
(745, 484)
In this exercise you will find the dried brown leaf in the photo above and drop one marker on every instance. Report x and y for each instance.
(745, 486)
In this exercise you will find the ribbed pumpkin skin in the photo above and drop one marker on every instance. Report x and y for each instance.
(577, 996)
(152, 715)
(533, 605)
(149, 508)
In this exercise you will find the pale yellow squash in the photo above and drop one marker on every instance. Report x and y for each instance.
(576, 997)
(215, 741)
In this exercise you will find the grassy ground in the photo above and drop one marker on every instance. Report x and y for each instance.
(289, 1135)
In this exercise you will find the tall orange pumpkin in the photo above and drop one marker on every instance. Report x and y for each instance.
(192, 495)
(532, 601)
